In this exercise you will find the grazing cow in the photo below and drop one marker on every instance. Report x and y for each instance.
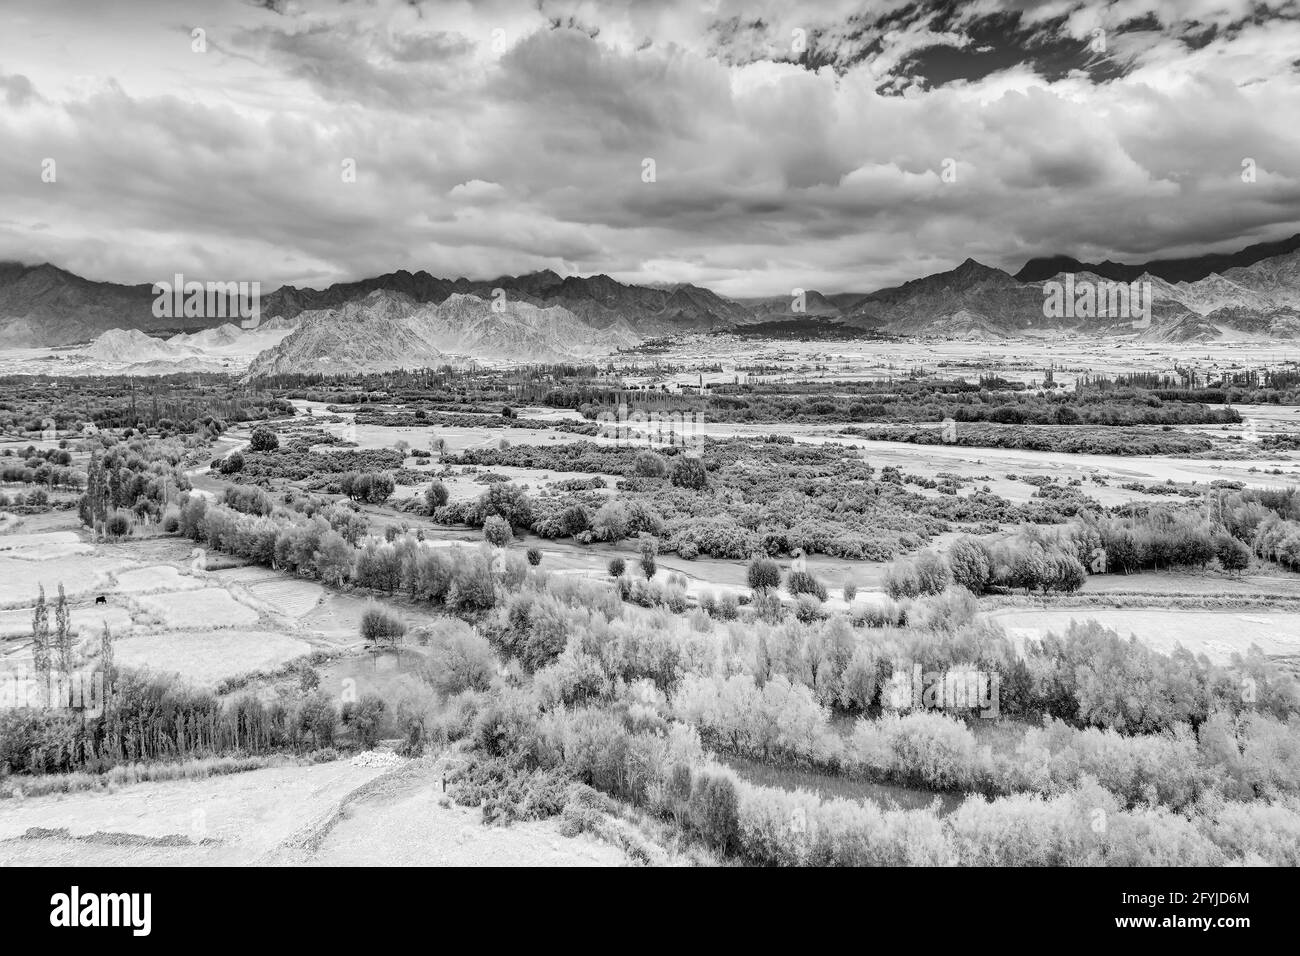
(101, 600)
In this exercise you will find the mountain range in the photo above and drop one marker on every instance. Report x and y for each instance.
(404, 317)
(388, 330)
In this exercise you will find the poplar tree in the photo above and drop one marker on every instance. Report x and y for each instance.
(106, 664)
(63, 632)
(41, 643)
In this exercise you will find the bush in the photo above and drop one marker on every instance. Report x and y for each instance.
(435, 496)
(803, 582)
(534, 556)
(688, 472)
(119, 524)
(496, 531)
(263, 439)
(460, 659)
(763, 573)
(1233, 555)
(901, 580)
(932, 572)
(365, 717)
(970, 564)
(171, 521)
(232, 463)
(807, 608)
(714, 808)
(648, 464)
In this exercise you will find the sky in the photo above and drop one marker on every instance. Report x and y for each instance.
(751, 147)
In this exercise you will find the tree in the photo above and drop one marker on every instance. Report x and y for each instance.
(1065, 573)
(380, 627)
(610, 521)
(334, 558)
(901, 580)
(648, 464)
(763, 572)
(932, 572)
(366, 717)
(63, 632)
(969, 562)
(41, 640)
(1233, 555)
(496, 531)
(232, 463)
(574, 521)
(382, 486)
(507, 500)
(119, 524)
(106, 666)
(616, 567)
(689, 472)
(648, 545)
(1029, 568)
(435, 496)
(460, 659)
(263, 439)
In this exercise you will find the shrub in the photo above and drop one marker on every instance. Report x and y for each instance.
(688, 472)
(803, 582)
(365, 717)
(171, 521)
(932, 572)
(232, 463)
(850, 591)
(616, 567)
(534, 556)
(901, 580)
(714, 808)
(496, 531)
(1233, 555)
(118, 524)
(763, 573)
(970, 564)
(435, 496)
(263, 439)
(807, 608)
(648, 464)
(460, 659)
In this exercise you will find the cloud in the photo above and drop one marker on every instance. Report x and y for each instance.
(18, 90)
(495, 137)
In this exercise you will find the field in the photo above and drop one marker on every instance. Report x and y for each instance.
(212, 595)
(1217, 634)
